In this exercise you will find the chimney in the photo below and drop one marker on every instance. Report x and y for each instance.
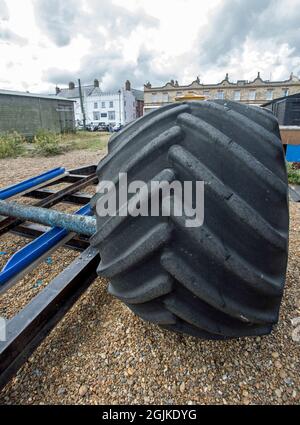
(57, 90)
(96, 83)
(127, 86)
(71, 85)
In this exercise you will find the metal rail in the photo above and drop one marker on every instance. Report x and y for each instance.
(32, 324)
(71, 222)
(31, 252)
(29, 328)
(30, 183)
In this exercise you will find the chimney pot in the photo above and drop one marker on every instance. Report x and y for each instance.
(128, 86)
(57, 90)
(96, 83)
(71, 85)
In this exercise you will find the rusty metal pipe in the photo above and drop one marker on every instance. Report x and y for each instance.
(73, 223)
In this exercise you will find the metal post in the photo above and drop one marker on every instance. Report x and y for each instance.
(82, 104)
(120, 109)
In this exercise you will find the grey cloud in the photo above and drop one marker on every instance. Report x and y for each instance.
(103, 64)
(145, 70)
(64, 20)
(105, 59)
(237, 21)
(228, 29)
(57, 18)
(4, 14)
(9, 36)
(280, 27)
(58, 76)
(6, 34)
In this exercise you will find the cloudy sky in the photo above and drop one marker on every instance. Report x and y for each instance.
(49, 42)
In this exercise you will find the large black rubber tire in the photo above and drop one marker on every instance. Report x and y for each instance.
(226, 278)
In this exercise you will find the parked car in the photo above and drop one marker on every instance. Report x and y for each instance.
(92, 126)
(103, 127)
(117, 127)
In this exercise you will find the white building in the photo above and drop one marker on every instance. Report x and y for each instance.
(115, 107)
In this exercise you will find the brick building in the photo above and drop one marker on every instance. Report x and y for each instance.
(256, 92)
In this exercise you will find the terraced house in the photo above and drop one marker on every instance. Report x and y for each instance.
(112, 107)
(256, 92)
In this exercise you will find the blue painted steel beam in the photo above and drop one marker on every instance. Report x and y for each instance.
(36, 249)
(293, 153)
(15, 189)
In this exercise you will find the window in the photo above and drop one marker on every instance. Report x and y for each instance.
(252, 95)
(111, 115)
(103, 105)
(165, 97)
(96, 105)
(154, 97)
(179, 93)
(285, 92)
(237, 95)
(206, 92)
(96, 116)
(103, 115)
(220, 94)
(270, 94)
(111, 104)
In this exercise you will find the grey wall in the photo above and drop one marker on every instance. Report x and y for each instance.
(29, 114)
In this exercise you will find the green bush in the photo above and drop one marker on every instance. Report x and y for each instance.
(11, 144)
(293, 173)
(47, 143)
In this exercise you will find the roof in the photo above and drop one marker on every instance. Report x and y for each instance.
(91, 90)
(74, 93)
(257, 82)
(138, 94)
(26, 94)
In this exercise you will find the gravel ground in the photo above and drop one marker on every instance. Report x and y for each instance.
(15, 170)
(101, 353)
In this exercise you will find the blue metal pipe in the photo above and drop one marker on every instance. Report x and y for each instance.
(36, 249)
(15, 189)
(73, 223)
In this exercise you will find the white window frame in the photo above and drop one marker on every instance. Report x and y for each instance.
(237, 95)
(95, 115)
(154, 98)
(252, 95)
(95, 105)
(110, 116)
(103, 105)
(220, 95)
(270, 94)
(286, 92)
(165, 97)
(111, 103)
